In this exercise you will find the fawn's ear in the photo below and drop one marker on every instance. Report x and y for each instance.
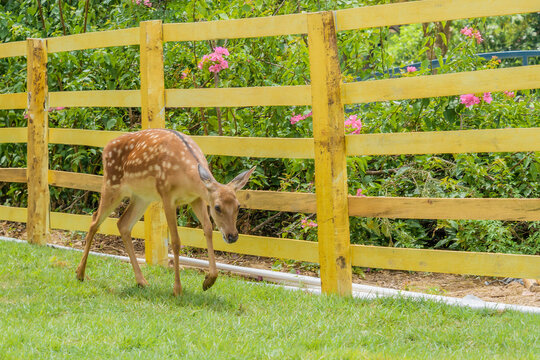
(207, 178)
(241, 180)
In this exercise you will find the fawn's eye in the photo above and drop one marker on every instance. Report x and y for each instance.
(218, 209)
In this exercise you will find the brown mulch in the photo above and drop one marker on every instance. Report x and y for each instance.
(485, 288)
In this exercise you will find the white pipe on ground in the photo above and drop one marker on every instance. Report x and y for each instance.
(313, 284)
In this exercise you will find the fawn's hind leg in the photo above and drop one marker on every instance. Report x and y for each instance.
(129, 218)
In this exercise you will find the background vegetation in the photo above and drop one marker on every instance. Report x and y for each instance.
(283, 60)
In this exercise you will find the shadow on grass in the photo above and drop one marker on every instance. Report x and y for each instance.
(162, 295)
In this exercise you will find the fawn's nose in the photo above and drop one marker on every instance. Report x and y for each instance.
(231, 238)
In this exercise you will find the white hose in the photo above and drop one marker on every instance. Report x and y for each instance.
(313, 284)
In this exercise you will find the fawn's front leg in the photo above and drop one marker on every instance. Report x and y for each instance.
(199, 207)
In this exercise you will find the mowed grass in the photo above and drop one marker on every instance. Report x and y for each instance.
(46, 313)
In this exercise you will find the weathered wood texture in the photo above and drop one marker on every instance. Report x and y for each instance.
(96, 98)
(153, 116)
(278, 201)
(11, 213)
(75, 180)
(443, 208)
(292, 148)
(11, 49)
(236, 97)
(93, 40)
(37, 225)
(452, 262)
(13, 101)
(237, 28)
(330, 156)
(524, 77)
(444, 142)
(17, 175)
(428, 11)
(97, 138)
(288, 148)
(13, 135)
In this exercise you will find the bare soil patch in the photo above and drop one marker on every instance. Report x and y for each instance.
(485, 288)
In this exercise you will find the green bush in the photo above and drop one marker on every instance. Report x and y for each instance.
(284, 60)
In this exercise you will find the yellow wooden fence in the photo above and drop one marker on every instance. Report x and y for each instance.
(329, 145)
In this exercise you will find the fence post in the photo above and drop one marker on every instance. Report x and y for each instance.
(37, 223)
(330, 156)
(153, 116)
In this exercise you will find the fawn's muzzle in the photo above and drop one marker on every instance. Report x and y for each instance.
(230, 238)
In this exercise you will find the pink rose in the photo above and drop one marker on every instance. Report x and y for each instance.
(469, 100)
(359, 192)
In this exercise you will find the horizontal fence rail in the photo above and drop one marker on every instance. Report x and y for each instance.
(415, 12)
(16, 175)
(347, 19)
(13, 101)
(521, 78)
(453, 262)
(153, 96)
(100, 39)
(235, 29)
(13, 135)
(444, 142)
(96, 98)
(378, 207)
(236, 97)
(445, 208)
(444, 261)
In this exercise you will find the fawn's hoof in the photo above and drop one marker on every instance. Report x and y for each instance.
(80, 275)
(142, 283)
(208, 282)
(177, 290)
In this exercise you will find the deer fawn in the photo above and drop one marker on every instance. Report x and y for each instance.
(166, 165)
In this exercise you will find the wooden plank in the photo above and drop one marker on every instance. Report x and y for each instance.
(97, 138)
(330, 156)
(153, 116)
(92, 40)
(10, 49)
(96, 98)
(261, 200)
(75, 180)
(17, 175)
(11, 213)
(516, 78)
(235, 97)
(445, 208)
(74, 222)
(299, 250)
(247, 244)
(13, 135)
(236, 28)
(278, 201)
(428, 11)
(443, 261)
(444, 142)
(38, 153)
(290, 148)
(13, 101)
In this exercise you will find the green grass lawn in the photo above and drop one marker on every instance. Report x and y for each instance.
(46, 313)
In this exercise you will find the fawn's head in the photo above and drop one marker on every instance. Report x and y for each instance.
(223, 203)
